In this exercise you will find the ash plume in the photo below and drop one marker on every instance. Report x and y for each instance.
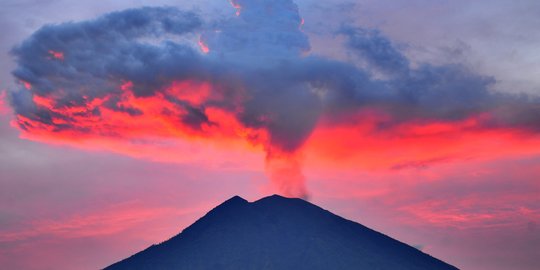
(114, 75)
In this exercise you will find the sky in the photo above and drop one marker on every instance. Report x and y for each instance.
(122, 122)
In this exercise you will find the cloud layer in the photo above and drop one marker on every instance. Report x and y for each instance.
(162, 73)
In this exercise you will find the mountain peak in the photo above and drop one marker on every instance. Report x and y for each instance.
(226, 208)
(278, 197)
(235, 200)
(276, 232)
(275, 197)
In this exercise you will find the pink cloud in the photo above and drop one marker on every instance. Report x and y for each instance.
(113, 220)
(3, 103)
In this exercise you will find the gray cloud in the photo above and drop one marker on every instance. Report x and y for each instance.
(259, 62)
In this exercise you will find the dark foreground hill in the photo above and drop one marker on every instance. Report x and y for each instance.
(278, 233)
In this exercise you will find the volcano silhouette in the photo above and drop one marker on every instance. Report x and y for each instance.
(278, 233)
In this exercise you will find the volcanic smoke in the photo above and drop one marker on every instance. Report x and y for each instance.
(248, 78)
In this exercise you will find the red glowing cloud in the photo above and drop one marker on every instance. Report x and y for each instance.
(253, 88)
(203, 46)
(361, 144)
(27, 85)
(3, 103)
(56, 55)
(237, 6)
(141, 118)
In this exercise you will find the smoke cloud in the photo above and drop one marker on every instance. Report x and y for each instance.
(167, 73)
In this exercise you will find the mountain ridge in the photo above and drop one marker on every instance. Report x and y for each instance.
(275, 232)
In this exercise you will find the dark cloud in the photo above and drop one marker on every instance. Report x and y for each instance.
(377, 50)
(258, 62)
(98, 55)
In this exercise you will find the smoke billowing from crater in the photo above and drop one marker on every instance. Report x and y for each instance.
(167, 73)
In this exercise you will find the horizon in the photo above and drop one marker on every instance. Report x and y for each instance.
(123, 121)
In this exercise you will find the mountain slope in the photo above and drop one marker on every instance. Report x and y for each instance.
(278, 233)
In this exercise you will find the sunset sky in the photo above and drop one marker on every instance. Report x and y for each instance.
(122, 122)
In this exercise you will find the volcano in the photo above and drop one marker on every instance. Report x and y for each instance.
(278, 233)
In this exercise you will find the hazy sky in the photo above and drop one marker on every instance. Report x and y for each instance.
(419, 119)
